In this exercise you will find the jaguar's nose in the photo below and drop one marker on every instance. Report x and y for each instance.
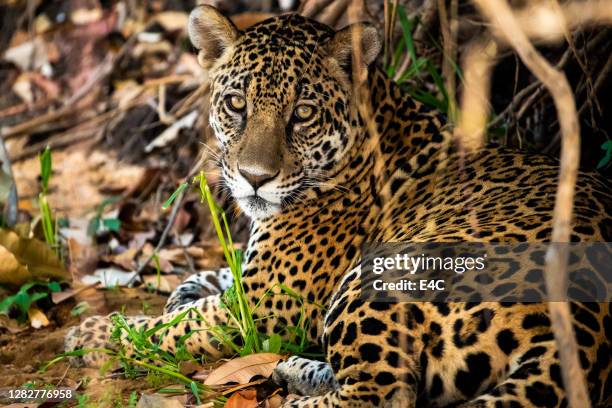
(257, 177)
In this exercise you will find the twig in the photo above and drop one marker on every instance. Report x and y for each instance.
(449, 35)
(164, 117)
(426, 20)
(22, 107)
(188, 258)
(70, 108)
(541, 23)
(185, 104)
(572, 46)
(57, 384)
(386, 44)
(170, 79)
(389, 20)
(174, 213)
(101, 72)
(10, 132)
(76, 134)
(58, 142)
(518, 97)
(603, 75)
(162, 240)
(471, 124)
(332, 14)
(11, 209)
(499, 12)
(313, 7)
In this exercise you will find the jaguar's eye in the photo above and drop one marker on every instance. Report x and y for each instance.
(236, 103)
(304, 112)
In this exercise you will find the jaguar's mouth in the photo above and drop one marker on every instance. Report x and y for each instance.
(257, 201)
(257, 207)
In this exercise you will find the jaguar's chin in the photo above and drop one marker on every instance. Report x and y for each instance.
(257, 208)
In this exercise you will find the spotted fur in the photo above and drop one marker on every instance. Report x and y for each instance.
(330, 185)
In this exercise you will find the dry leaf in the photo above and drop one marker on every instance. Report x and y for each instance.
(164, 265)
(171, 133)
(242, 399)
(242, 369)
(275, 401)
(247, 19)
(42, 23)
(125, 259)
(11, 271)
(172, 20)
(110, 277)
(176, 255)
(28, 55)
(58, 297)
(77, 231)
(166, 284)
(83, 16)
(157, 401)
(126, 92)
(22, 87)
(11, 325)
(83, 259)
(189, 367)
(37, 318)
(26, 259)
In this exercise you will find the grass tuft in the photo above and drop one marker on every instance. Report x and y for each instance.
(48, 224)
(410, 77)
(139, 351)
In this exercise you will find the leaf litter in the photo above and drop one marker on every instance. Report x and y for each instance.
(114, 90)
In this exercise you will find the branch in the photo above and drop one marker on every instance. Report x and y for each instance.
(506, 25)
(471, 126)
(10, 196)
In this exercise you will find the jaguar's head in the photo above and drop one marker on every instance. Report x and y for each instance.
(281, 103)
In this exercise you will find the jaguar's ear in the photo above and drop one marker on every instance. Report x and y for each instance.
(341, 46)
(211, 33)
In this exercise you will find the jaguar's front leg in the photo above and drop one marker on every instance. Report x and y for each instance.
(193, 319)
(199, 286)
(371, 348)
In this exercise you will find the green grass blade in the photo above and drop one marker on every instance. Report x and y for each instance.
(407, 32)
(176, 193)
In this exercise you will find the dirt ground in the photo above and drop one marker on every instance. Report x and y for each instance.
(23, 349)
(23, 353)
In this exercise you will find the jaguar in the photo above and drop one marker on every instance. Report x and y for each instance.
(320, 171)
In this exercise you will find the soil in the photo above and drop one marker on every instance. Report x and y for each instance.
(22, 354)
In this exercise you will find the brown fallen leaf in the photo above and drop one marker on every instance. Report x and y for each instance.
(274, 401)
(83, 259)
(242, 399)
(164, 265)
(240, 370)
(26, 259)
(110, 277)
(247, 19)
(58, 297)
(172, 20)
(125, 259)
(28, 55)
(11, 325)
(158, 401)
(37, 318)
(11, 271)
(189, 367)
(163, 283)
